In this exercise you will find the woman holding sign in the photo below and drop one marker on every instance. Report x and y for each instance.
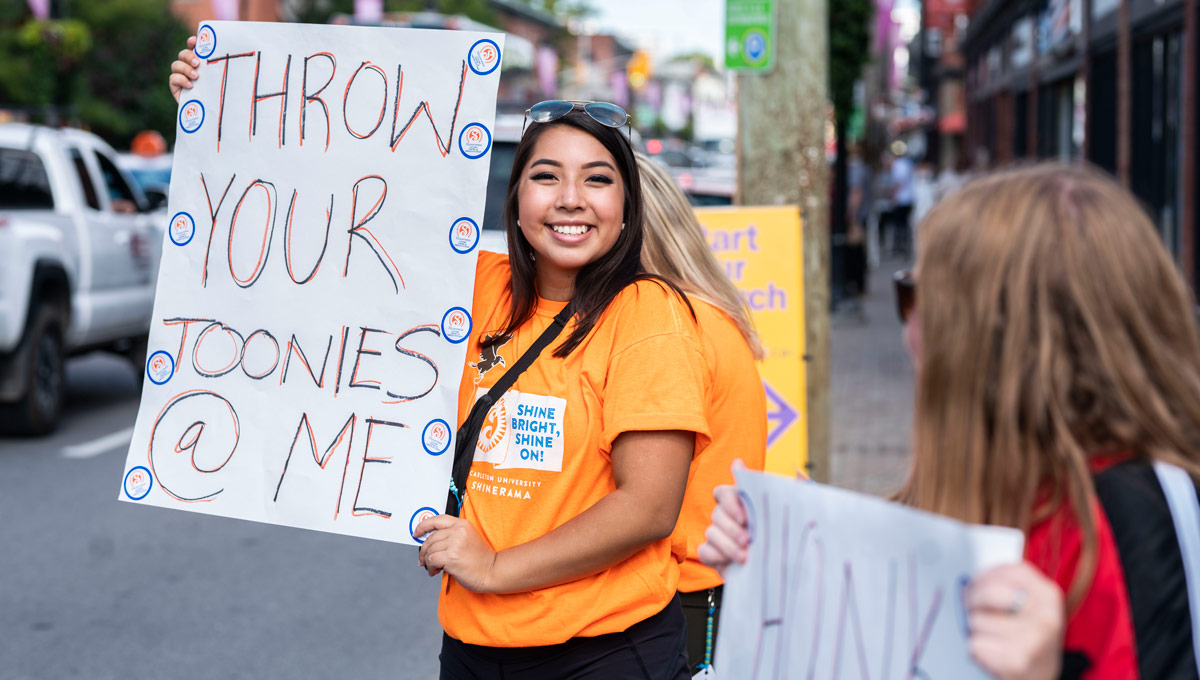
(675, 247)
(1058, 368)
(560, 563)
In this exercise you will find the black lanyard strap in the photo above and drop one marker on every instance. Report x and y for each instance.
(468, 434)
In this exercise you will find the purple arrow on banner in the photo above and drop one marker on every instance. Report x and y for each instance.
(780, 415)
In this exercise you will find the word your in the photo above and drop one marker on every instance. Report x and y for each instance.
(261, 197)
(368, 82)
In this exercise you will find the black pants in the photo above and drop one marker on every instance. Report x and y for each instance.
(695, 612)
(653, 649)
(856, 268)
(899, 218)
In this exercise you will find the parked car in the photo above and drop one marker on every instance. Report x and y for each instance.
(714, 186)
(79, 253)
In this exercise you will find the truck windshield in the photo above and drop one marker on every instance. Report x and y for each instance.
(23, 181)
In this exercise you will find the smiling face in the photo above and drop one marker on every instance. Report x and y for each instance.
(571, 202)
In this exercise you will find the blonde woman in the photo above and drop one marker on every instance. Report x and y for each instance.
(1058, 366)
(674, 247)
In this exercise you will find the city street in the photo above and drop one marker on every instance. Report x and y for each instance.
(960, 237)
(871, 391)
(95, 588)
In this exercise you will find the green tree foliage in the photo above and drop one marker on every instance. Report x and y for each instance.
(849, 41)
(40, 63)
(849, 38)
(564, 9)
(125, 75)
(320, 11)
(702, 58)
(103, 66)
(478, 10)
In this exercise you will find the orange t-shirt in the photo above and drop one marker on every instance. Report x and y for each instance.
(737, 421)
(543, 455)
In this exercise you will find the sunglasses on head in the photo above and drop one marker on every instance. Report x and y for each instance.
(906, 293)
(604, 113)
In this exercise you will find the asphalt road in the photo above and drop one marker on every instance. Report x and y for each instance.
(94, 588)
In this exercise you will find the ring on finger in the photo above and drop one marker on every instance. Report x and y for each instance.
(1018, 601)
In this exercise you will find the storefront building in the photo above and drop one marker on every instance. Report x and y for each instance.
(1097, 81)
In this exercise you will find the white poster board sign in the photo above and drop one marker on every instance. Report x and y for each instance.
(307, 340)
(840, 584)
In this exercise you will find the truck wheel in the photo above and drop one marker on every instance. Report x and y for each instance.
(37, 412)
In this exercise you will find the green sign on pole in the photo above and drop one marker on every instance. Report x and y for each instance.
(749, 35)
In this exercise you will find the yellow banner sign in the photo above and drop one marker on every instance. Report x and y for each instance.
(761, 249)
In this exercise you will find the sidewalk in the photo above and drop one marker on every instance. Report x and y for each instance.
(871, 391)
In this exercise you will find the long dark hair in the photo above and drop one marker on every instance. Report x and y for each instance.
(597, 283)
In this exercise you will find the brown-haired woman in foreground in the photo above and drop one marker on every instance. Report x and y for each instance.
(674, 246)
(1057, 359)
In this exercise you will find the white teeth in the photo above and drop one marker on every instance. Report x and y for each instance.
(568, 231)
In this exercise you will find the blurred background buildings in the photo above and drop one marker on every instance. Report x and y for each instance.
(965, 84)
(1103, 82)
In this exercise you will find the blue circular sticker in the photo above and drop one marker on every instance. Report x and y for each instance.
(183, 228)
(456, 324)
(755, 46)
(483, 57)
(464, 235)
(191, 116)
(138, 482)
(206, 42)
(436, 437)
(474, 140)
(160, 367)
(418, 517)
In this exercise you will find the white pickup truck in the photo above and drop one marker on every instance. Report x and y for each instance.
(79, 252)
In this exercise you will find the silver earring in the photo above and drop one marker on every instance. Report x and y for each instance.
(518, 223)
(622, 226)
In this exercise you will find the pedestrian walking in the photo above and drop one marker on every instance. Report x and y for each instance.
(884, 200)
(736, 409)
(564, 569)
(1058, 368)
(902, 194)
(858, 213)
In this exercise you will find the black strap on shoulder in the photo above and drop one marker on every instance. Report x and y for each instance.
(465, 438)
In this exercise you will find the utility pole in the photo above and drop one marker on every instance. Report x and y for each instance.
(781, 161)
(1188, 162)
(1124, 94)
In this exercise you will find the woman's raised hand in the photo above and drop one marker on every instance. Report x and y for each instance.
(184, 70)
(1016, 618)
